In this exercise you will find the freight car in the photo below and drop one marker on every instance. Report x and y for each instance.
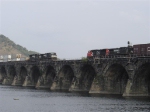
(141, 49)
(138, 50)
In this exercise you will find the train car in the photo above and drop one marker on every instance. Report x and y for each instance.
(102, 53)
(93, 53)
(51, 55)
(116, 51)
(34, 57)
(126, 50)
(141, 49)
(40, 57)
(138, 49)
(110, 52)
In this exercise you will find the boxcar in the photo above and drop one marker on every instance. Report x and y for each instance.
(141, 49)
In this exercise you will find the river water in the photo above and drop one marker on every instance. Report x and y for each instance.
(19, 99)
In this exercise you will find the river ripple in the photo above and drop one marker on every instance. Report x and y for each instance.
(19, 99)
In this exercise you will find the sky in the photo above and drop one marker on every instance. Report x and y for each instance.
(72, 27)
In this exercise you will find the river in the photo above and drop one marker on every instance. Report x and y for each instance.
(20, 99)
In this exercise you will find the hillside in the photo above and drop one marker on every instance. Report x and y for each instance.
(8, 47)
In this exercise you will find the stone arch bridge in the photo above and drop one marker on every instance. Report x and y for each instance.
(128, 76)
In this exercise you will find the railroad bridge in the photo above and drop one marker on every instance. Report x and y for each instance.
(128, 76)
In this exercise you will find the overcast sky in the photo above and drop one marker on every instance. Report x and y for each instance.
(72, 27)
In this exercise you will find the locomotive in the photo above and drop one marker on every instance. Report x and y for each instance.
(138, 49)
(40, 57)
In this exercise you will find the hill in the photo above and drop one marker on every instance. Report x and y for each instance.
(8, 47)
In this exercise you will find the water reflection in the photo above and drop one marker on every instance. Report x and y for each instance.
(33, 100)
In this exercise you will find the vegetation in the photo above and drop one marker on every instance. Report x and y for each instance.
(9, 47)
(84, 59)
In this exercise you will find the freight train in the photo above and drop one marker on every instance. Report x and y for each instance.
(40, 57)
(138, 49)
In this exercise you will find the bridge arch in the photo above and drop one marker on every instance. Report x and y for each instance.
(65, 77)
(141, 80)
(87, 76)
(35, 74)
(23, 74)
(49, 76)
(115, 79)
(3, 74)
(11, 74)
